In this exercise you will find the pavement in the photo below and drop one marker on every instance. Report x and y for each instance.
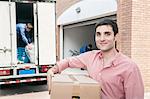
(35, 95)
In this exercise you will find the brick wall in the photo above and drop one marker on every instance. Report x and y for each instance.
(124, 24)
(134, 26)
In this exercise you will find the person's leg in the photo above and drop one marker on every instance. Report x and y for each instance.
(21, 55)
(27, 60)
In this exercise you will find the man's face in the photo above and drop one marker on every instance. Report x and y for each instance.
(28, 29)
(105, 39)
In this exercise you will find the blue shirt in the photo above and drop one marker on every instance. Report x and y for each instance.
(84, 48)
(23, 37)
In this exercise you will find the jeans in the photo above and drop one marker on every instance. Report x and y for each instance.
(21, 55)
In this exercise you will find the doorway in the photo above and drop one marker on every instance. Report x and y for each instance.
(24, 15)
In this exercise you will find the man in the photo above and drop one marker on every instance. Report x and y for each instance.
(117, 74)
(23, 40)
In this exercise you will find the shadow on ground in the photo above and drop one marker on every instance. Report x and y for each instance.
(22, 88)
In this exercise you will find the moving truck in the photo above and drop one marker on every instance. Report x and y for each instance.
(42, 16)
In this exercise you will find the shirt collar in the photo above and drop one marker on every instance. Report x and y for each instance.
(116, 59)
(114, 62)
(100, 54)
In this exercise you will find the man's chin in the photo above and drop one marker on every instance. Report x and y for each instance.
(106, 49)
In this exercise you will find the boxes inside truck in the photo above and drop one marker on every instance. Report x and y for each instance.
(74, 87)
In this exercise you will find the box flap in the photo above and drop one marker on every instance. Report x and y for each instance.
(62, 78)
(85, 79)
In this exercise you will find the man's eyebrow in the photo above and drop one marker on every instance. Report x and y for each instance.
(104, 32)
(98, 32)
(107, 32)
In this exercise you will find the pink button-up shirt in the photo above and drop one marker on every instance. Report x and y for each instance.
(120, 79)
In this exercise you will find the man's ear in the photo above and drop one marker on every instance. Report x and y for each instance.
(116, 37)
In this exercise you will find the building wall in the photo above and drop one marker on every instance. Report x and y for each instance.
(134, 21)
(124, 24)
(62, 5)
(134, 32)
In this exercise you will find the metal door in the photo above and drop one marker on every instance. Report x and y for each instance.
(7, 34)
(46, 40)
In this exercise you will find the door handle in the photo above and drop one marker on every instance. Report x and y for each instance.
(4, 50)
(1, 50)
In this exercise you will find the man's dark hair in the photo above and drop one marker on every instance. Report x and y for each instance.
(29, 25)
(112, 23)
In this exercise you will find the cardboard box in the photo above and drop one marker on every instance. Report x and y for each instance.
(74, 87)
(70, 71)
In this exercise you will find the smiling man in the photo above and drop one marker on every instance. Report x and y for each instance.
(117, 74)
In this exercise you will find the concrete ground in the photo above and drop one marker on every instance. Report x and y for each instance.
(45, 94)
(35, 95)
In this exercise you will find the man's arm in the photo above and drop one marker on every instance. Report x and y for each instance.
(50, 74)
(72, 62)
(23, 36)
(60, 66)
(79, 61)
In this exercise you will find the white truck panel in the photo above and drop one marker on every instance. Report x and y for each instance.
(46, 33)
(35, 33)
(14, 34)
(5, 42)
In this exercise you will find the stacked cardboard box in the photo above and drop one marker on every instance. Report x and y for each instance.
(74, 87)
(70, 71)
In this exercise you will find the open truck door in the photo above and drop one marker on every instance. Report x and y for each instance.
(8, 34)
(42, 16)
(46, 38)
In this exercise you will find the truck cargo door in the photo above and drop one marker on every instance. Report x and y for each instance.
(7, 29)
(46, 33)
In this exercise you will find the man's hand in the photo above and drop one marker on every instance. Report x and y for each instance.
(50, 74)
(29, 46)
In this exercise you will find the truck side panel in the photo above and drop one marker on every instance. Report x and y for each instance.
(5, 40)
(13, 31)
(46, 33)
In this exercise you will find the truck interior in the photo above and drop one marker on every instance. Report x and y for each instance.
(24, 14)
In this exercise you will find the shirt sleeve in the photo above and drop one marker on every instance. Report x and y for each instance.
(23, 36)
(79, 61)
(133, 84)
(72, 62)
